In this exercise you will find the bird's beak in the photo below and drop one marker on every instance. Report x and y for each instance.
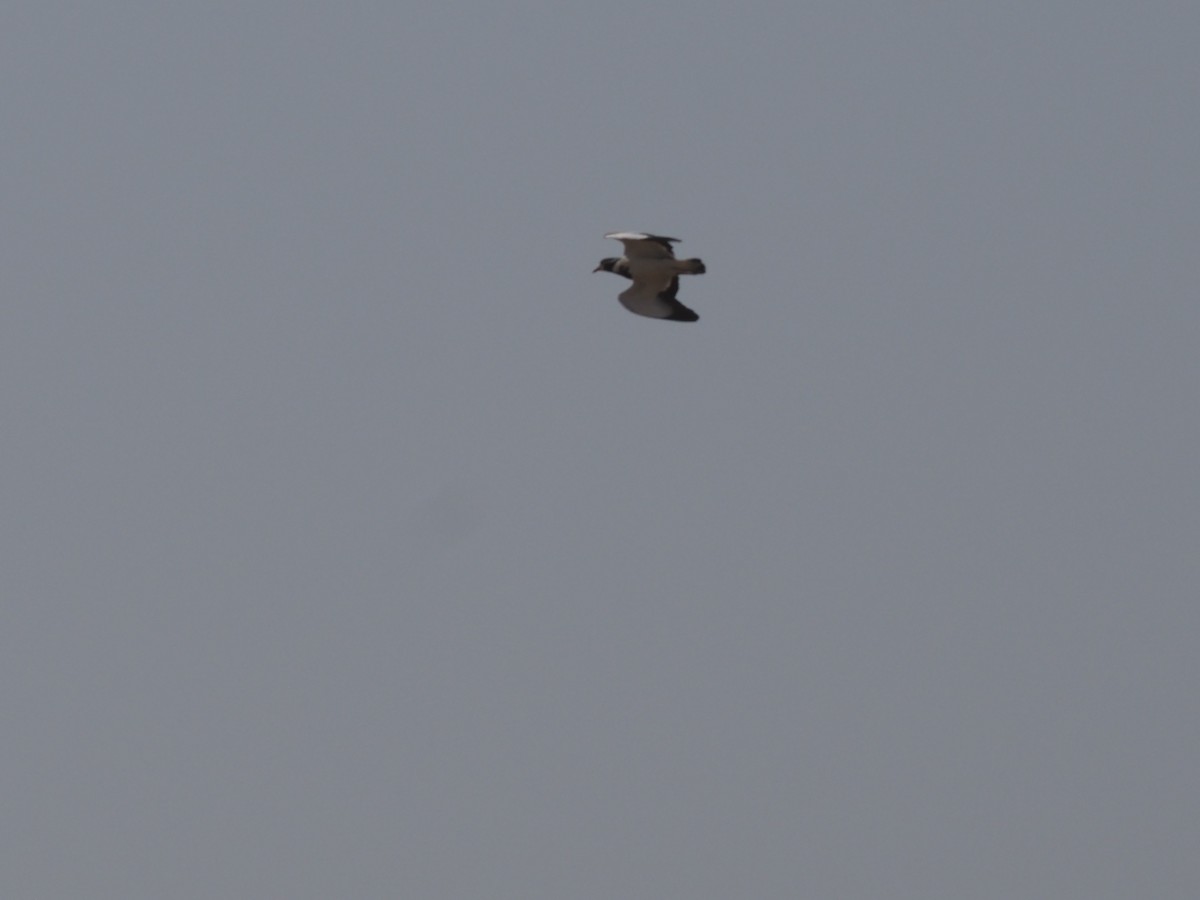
(597, 269)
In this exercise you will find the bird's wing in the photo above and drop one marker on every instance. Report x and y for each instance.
(655, 297)
(644, 246)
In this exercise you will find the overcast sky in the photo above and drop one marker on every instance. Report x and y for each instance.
(357, 543)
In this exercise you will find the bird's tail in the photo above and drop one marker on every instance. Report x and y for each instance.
(692, 266)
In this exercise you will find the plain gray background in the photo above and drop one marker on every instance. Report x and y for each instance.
(356, 542)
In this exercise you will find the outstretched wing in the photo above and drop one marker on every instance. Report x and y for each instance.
(639, 245)
(655, 298)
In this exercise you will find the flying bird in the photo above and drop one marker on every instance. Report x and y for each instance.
(650, 263)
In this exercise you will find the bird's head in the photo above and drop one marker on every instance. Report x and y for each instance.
(606, 265)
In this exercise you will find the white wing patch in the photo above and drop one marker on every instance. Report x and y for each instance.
(639, 245)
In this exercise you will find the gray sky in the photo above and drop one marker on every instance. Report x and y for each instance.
(356, 542)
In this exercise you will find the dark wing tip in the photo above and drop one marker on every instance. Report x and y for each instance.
(683, 314)
(679, 312)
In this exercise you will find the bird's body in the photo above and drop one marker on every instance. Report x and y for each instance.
(650, 263)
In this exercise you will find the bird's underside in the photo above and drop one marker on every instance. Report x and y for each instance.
(656, 299)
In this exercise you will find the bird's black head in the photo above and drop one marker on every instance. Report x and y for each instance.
(615, 265)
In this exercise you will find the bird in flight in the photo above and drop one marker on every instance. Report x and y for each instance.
(650, 263)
